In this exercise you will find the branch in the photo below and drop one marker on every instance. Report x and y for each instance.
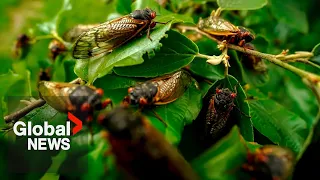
(33, 105)
(24, 111)
(272, 58)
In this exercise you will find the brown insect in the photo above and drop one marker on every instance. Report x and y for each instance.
(81, 100)
(56, 48)
(45, 74)
(21, 46)
(220, 106)
(253, 62)
(222, 29)
(159, 91)
(140, 150)
(106, 37)
(270, 162)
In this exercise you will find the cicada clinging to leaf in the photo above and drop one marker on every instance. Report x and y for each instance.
(107, 36)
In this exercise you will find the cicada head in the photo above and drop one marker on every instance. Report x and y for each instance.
(253, 62)
(246, 34)
(85, 98)
(143, 94)
(270, 162)
(21, 46)
(56, 48)
(120, 122)
(224, 98)
(144, 14)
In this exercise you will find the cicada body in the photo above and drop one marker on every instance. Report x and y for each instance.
(56, 48)
(79, 99)
(253, 62)
(105, 37)
(222, 29)
(141, 150)
(21, 46)
(270, 162)
(161, 90)
(45, 74)
(218, 112)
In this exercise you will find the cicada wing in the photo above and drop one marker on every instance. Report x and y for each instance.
(218, 26)
(72, 34)
(56, 94)
(107, 36)
(173, 87)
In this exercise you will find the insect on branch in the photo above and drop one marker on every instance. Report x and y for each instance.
(275, 59)
(31, 106)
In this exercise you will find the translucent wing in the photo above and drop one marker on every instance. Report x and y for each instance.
(107, 36)
(56, 94)
(172, 87)
(217, 26)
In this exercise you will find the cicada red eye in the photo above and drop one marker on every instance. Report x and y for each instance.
(130, 90)
(218, 91)
(99, 91)
(233, 95)
(153, 15)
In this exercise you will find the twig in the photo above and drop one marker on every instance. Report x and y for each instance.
(272, 58)
(24, 111)
(33, 105)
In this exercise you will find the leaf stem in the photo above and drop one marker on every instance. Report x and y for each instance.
(272, 58)
(203, 56)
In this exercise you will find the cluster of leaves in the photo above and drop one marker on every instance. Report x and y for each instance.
(282, 109)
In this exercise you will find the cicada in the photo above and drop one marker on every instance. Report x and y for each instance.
(218, 112)
(73, 34)
(222, 29)
(45, 74)
(270, 162)
(106, 37)
(21, 46)
(253, 62)
(78, 99)
(140, 150)
(160, 90)
(56, 48)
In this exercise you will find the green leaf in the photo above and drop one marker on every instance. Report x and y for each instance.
(7, 80)
(290, 13)
(176, 114)
(72, 17)
(244, 122)
(274, 121)
(132, 51)
(123, 6)
(165, 15)
(224, 159)
(176, 52)
(241, 4)
(116, 82)
(200, 67)
(316, 53)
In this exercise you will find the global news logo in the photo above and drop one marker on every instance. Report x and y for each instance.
(61, 133)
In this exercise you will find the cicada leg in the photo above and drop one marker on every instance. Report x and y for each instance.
(159, 117)
(107, 102)
(89, 122)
